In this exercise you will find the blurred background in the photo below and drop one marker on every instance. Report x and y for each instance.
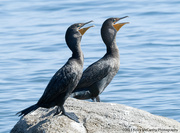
(33, 48)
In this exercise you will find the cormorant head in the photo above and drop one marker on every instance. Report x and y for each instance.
(74, 34)
(110, 28)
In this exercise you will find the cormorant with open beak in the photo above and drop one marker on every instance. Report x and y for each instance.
(99, 74)
(66, 78)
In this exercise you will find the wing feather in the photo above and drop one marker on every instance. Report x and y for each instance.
(57, 85)
(94, 73)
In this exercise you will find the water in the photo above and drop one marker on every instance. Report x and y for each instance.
(33, 48)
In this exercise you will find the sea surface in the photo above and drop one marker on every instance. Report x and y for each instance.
(33, 48)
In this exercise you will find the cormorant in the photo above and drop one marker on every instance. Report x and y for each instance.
(99, 74)
(66, 78)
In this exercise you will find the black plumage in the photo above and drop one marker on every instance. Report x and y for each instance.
(98, 75)
(66, 78)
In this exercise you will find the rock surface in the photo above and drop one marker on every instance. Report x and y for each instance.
(95, 118)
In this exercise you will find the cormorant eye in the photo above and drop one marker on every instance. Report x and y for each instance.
(79, 25)
(114, 20)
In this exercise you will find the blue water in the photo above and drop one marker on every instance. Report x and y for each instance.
(32, 49)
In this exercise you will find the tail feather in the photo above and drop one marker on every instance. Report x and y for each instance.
(27, 110)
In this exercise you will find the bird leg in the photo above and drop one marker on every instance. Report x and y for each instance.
(58, 110)
(96, 99)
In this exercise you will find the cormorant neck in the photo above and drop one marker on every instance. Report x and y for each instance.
(112, 48)
(77, 53)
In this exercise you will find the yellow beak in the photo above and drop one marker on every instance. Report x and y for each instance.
(83, 30)
(119, 25)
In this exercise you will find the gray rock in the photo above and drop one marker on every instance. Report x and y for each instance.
(95, 118)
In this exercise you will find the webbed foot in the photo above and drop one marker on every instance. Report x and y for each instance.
(72, 116)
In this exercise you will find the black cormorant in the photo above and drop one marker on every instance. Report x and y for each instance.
(99, 74)
(66, 78)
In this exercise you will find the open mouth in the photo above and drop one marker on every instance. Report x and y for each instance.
(117, 26)
(83, 30)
